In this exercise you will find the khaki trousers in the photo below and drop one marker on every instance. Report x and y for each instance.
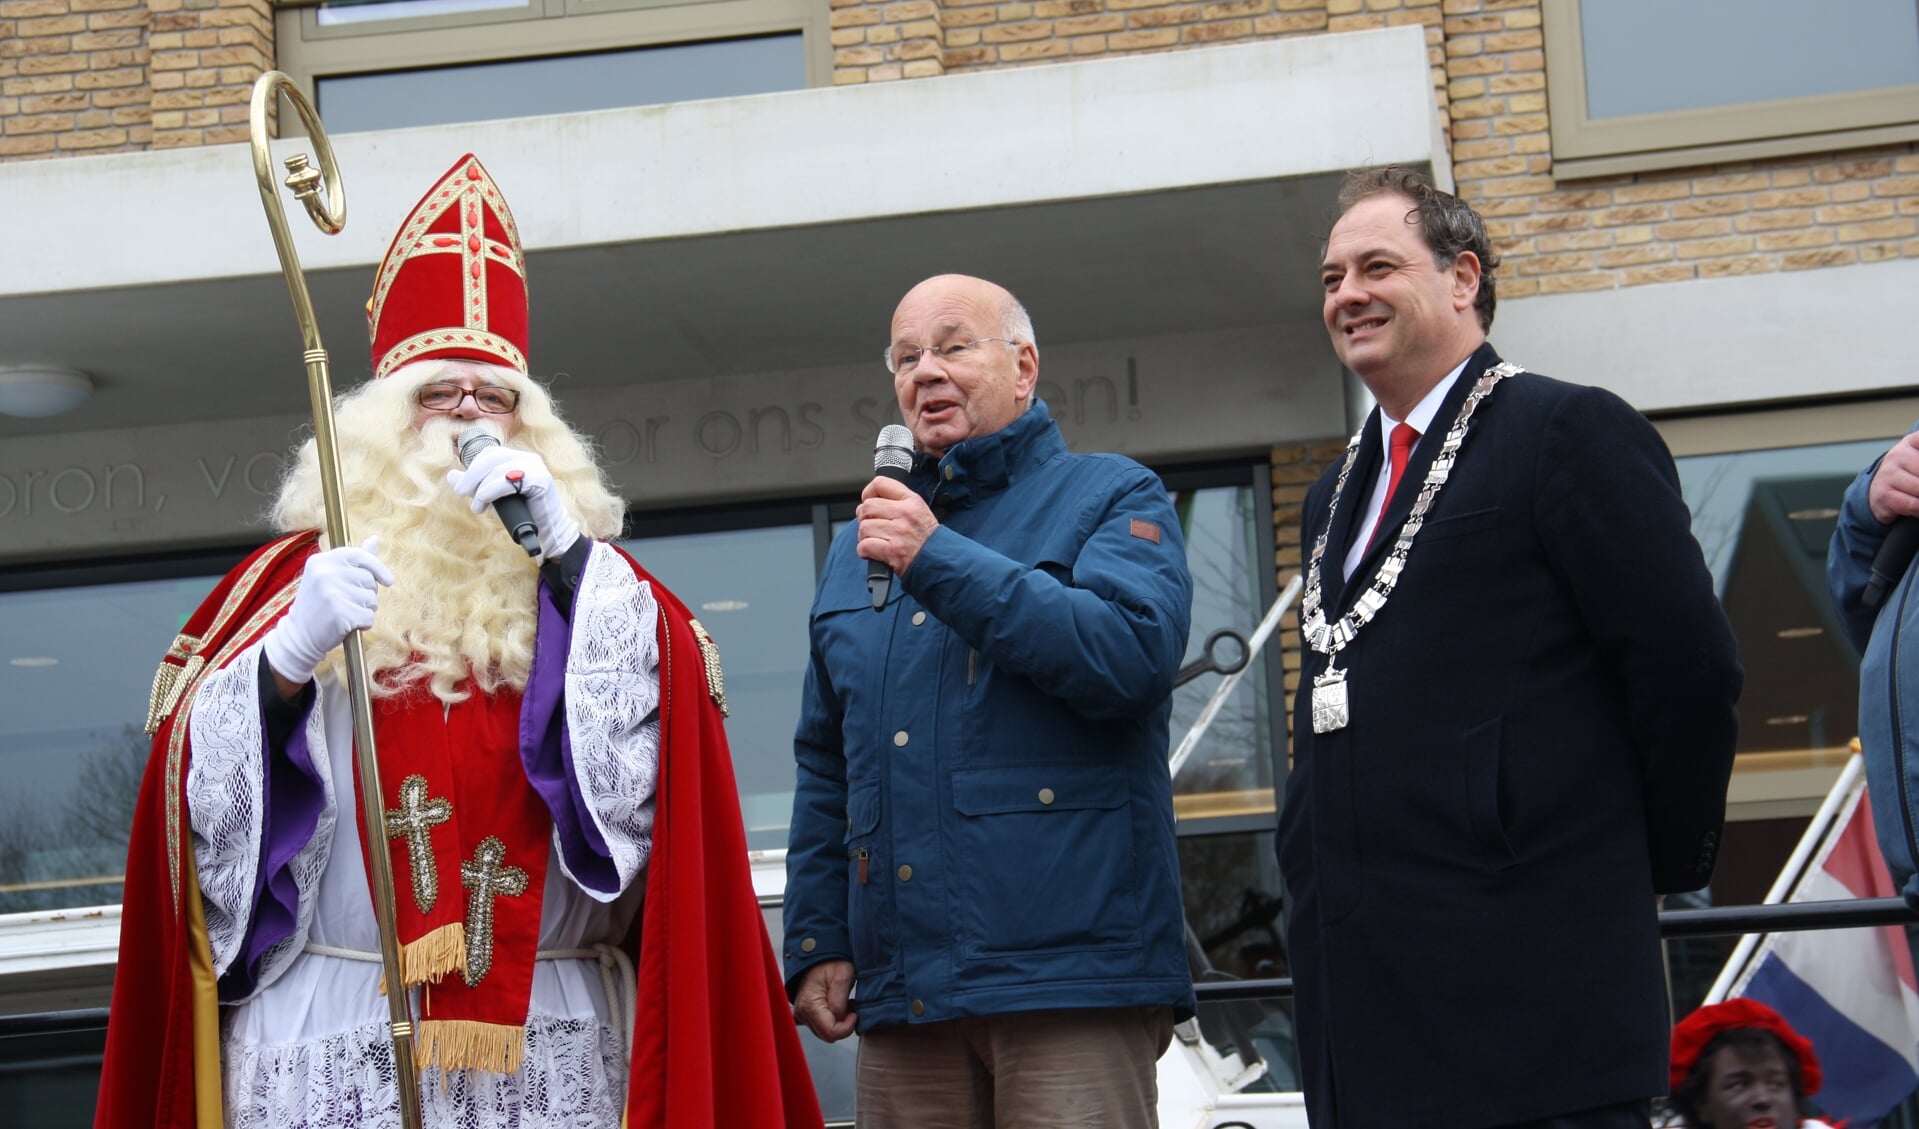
(1093, 1068)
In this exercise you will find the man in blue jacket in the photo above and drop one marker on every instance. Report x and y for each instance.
(982, 875)
(1885, 493)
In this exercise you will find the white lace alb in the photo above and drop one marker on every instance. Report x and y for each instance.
(574, 1077)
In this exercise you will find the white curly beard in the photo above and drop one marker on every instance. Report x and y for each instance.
(463, 597)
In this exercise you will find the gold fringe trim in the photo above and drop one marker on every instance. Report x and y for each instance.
(429, 958)
(467, 1044)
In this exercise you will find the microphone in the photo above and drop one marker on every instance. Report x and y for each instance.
(892, 458)
(512, 508)
(1890, 562)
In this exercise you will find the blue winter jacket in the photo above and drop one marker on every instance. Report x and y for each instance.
(983, 820)
(1888, 640)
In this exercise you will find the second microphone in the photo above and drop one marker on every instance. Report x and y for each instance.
(892, 458)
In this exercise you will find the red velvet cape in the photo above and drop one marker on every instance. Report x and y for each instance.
(714, 1043)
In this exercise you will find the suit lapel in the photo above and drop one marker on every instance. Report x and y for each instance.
(1359, 489)
(1400, 506)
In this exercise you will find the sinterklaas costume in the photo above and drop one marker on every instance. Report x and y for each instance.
(525, 829)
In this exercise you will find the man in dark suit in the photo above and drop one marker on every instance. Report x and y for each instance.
(1515, 718)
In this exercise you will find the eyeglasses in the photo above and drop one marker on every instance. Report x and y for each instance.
(901, 359)
(489, 398)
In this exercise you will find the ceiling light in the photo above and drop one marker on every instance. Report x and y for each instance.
(1788, 719)
(1800, 632)
(33, 660)
(1823, 513)
(37, 391)
(724, 606)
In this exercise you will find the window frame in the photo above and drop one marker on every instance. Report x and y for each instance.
(307, 51)
(1587, 147)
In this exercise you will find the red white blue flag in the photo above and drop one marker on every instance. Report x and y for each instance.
(1850, 991)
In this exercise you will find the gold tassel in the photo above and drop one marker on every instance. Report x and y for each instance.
(426, 959)
(467, 1044)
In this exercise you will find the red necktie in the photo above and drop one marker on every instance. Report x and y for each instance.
(1404, 438)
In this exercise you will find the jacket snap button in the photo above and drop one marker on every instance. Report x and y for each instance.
(919, 618)
(919, 1008)
(906, 874)
(1045, 795)
(900, 738)
(809, 945)
(949, 474)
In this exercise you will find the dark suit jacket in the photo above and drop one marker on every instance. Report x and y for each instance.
(1542, 731)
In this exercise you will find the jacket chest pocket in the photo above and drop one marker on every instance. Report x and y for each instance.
(870, 911)
(1043, 860)
(1448, 526)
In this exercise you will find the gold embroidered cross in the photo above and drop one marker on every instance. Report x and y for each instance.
(486, 878)
(413, 820)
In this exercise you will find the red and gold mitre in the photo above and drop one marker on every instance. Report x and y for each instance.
(453, 282)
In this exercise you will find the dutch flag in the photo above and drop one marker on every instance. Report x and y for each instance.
(1850, 991)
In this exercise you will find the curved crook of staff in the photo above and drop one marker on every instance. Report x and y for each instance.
(329, 215)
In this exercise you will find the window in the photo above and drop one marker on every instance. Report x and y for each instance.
(387, 64)
(75, 672)
(1645, 84)
(1228, 530)
(562, 84)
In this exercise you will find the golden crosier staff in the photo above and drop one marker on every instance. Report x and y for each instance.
(329, 215)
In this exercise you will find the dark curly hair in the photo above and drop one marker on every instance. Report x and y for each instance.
(1690, 1096)
(1448, 223)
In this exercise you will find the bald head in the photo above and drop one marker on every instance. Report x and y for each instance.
(965, 359)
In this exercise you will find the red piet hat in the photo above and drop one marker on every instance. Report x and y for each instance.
(1689, 1039)
(453, 282)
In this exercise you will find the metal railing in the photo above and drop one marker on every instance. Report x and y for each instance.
(1718, 921)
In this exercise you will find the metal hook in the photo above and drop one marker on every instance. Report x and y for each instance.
(1208, 661)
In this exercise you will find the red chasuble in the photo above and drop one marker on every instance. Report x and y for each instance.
(715, 1045)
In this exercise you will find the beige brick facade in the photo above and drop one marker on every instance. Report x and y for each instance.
(102, 76)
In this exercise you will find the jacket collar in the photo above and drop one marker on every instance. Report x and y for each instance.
(988, 462)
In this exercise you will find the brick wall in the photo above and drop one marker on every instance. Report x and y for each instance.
(880, 42)
(102, 76)
(206, 55)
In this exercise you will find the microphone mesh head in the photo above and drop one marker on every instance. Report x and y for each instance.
(475, 438)
(894, 448)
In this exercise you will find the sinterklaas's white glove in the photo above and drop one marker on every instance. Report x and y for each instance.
(490, 478)
(339, 592)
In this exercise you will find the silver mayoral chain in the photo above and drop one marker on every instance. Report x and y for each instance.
(1332, 707)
